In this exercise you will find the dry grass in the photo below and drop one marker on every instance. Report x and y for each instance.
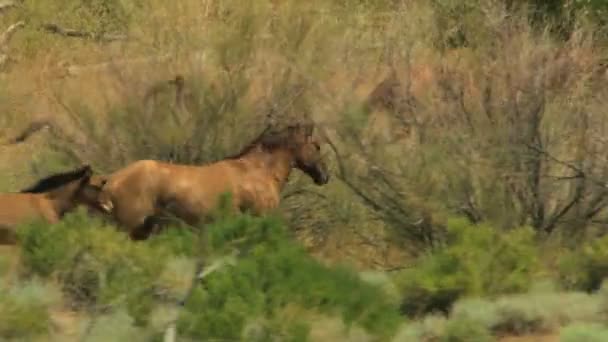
(344, 51)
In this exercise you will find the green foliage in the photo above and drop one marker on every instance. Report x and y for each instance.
(24, 310)
(179, 240)
(99, 267)
(44, 250)
(466, 266)
(584, 332)
(272, 273)
(96, 264)
(585, 267)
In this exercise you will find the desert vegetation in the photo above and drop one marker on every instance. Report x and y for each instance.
(465, 138)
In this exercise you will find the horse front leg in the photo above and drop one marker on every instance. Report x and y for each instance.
(150, 226)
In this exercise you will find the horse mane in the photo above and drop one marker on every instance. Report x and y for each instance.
(269, 139)
(55, 181)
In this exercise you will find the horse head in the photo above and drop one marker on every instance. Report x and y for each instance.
(91, 193)
(306, 149)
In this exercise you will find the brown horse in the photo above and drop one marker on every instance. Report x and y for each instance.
(254, 177)
(49, 199)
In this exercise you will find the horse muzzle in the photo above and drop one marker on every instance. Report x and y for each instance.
(107, 206)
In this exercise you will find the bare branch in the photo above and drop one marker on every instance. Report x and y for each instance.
(579, 172)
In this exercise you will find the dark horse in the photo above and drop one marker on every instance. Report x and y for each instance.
(254, 178)
(49, 199)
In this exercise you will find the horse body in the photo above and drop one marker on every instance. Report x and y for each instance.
(26, 206)
(254, 177)
(48, 200)
(190, 192)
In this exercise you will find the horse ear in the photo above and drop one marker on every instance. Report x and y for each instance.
(99, 181)
(87, 170)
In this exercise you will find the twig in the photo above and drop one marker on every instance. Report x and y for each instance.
(75, 70)
(579, 172)
(29, 131)
(8, 34)
(5, 39)
(67, 32)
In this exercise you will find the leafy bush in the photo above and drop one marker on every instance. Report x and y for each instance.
(584, 332)
(272, 273)
(468, 267)
(24, 310)
(586, 267)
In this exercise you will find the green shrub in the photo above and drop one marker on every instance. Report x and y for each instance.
(584, 332)
(97, 265)
(529, 312)
(24, 310)
(478, 260)
(117, 326)
(45, 248)
(274, 272)
(429, 328)
(481, 311)
(586, 267)
(463, 330)
(178, 240)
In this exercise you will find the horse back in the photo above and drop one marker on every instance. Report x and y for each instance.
(15, 208)
(198, 186)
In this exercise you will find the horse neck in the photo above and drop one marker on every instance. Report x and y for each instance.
(277, 163)
(63, 197)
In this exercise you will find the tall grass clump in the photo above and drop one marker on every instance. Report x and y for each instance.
(466, 266)
(273, 272)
